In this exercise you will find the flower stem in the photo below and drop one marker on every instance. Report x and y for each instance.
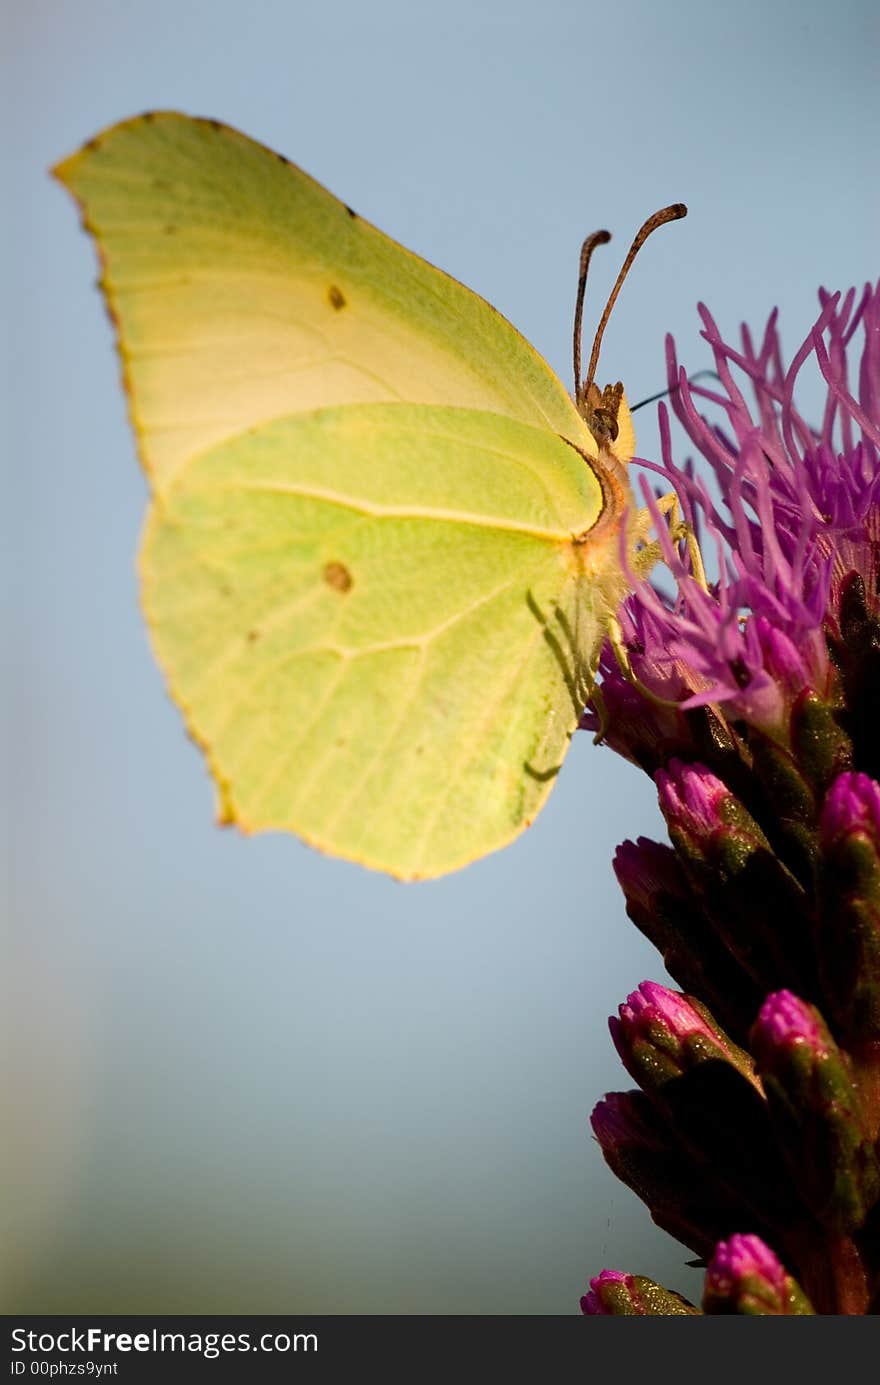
(849, 1279)
(866, 1062)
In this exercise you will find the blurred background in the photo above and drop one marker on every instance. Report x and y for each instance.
(246, 1078)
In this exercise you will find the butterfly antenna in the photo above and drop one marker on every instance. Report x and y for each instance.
(589, 245)
(673, 213)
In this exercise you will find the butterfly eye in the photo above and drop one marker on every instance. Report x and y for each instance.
(603, 425)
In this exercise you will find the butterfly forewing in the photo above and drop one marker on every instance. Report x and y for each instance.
(242, 291)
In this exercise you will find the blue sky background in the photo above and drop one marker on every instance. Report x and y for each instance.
(246, 1077)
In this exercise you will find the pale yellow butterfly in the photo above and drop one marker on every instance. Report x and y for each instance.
(384, 544)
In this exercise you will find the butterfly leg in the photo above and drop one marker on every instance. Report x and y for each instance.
(653, 552)
(621, 654)
(646, 557)
(597, 701)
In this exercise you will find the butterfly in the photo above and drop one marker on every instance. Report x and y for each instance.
(384, 543)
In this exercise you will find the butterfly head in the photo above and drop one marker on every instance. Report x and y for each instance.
(605, 412)
(600, 410)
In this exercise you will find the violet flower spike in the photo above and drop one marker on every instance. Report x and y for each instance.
(756, 715)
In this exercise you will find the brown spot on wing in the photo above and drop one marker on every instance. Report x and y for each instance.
(336, 297)
(337, 576)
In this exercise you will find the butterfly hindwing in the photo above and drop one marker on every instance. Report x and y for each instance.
(379, 647)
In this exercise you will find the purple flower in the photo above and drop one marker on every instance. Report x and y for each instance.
(613, 1294)
(681, 1146)
(851, 806)
(654, 1006)
(661, 1034)
(744, 1276)
(692, 799)
(848, 934)
(594, 1301)
(744, 1256)
(784, 1021)
(750, 898)
(646, 871)
(619, 1120)
(664, 906)
(646, 733)
(797, 511)
(819, 1118)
